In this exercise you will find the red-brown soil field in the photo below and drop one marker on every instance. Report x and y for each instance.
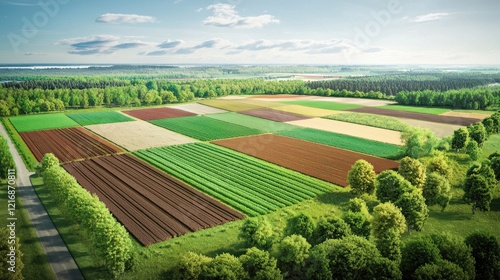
(274, 115)
(320, 161)
(68, 144)
(418, 116)
(158, 113)
(152, 205)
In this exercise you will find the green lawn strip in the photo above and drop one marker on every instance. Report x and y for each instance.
(242, 182)
(205, 128)
(492, 145)
(22, 148)
(36, 264)
(416, 109)
(347, 142)
(42, 122)
(323, 105)
(371, 120)
(99, 118)
(252, 122)
(73, 235)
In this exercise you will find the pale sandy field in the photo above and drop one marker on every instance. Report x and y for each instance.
(361, 131)
(139, 135)
(198, 109)
(307, 111)
(466, 115)
(440, 129)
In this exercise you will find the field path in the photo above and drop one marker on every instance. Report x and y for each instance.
(62, 263)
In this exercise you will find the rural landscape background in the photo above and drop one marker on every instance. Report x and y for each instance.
(249, 139)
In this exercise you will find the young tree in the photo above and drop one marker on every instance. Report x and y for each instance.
(413, 171)
(414, 209)
(224, 266)
(419, 142)
(440, 165)
(486, 252)
(301, 224)
(460, 139)
(291, 254)
(437, 190)
(49, 160)
(361, 177)
(259, 265)
(477, 132)
(478, 193)
(387, 216)
(391, 185)
(331, 228)
(473, 150)
(358, 205)
(257, 232)
(358, 223)
(190, 266)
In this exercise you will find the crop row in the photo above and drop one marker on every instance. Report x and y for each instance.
(371, 120)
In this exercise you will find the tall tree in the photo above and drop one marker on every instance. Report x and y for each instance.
(460, 138)
(477, 132)
(391, 185)
(414, 209)
(419, 142)
(477, 192)
(361, 177)
(387, 216)
(413, 171)
(486, 252)
(473, 150)
(292, 253)
(437, 190)
(331, 228)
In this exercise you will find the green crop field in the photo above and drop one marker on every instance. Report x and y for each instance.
(371, 120)
(99, 118)
(253, 122)
(205, 128)
(324, 105)
(41, 122)
(230, 105)
(347, 142)
(245, 183)
(414, 109)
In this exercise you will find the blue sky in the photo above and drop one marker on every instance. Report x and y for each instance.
(250, 32)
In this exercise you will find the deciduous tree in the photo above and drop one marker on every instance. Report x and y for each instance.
(387, 216)
(391, 185)
(413, 171)
(257, 232)
(460, 138)
(361, 177)
(486, 252)
(478, 193)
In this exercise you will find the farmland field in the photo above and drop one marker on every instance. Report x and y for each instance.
(68, 144)
(347, 142)
(324, 105)
(306, 111)
(41, 122)
(356, 101)
(253, 122)
(139, 135)
(371, 120)
(198, 109)
(152, 205)
(157, 113)
(320, 161)
(99, 118)
(415, 109)
(418, 116)
(230, 105)
(440, 129)
(205, 128)
(247, 184)
(356, 130)
(468, 114)
(274, 115)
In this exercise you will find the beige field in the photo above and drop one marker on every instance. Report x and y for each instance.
(440, 129)
(361, 131)
(466, 115)
(229, 105)
(281, 97)
(198, 109)
(307, 111)
(356, 101)
(139, 135)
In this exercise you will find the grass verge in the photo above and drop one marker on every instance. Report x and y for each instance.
(22, 148)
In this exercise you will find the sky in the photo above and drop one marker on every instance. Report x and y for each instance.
(452, 32)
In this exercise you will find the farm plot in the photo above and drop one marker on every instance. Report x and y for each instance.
(306, 111)
(247, 184)
(229, 104)
(474, 115)
(347, 142)
(152, 205)
(357, 130)
(336, 106)
(418, 116)
(253, 122)
(67, 144)
(357, 101)
(440, 129)
(99, 118)
(158, 113)
(274, 115)
(198, 109)
(416, 109)
(371, 120)
(281, 97)
(320, 161)
(41, 122)
(139, 135)
(205, 128)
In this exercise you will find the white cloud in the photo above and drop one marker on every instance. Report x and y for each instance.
(430, 17)
(101, 44)
(124, 18)
(225, 15)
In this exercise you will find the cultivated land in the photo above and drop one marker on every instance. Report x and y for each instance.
(99, 118)
(440, 129)
(415, 109)
(346, 142)
(371, 120)
(230, 104)
(466, 115)
(152, 205)
(139, 135)
(306, 111)
(274, 115)
(205, 128)
(253, 122)
(42, 122)
(245, 183)
(158, 113)
(68, 144)
(356, 101)
(198, 109)
(320, 161)
(281, 97)
(418, 116)
(357, 130)
(336, 106)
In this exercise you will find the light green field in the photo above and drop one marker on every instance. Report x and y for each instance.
(415, 109)
(99, 118)
(336, 106)
(41, 122)
(253, 122)
(371, 120)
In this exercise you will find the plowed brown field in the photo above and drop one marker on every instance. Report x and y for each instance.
(274, 115)
(152, 205)
(158, 113)
(320, 161)
(418, 116)
(68, 144)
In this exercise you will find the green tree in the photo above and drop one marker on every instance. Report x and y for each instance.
(6, 160)
(223, 266)
(260, 265)
(361, 177)
(454, 249)
(437, 190)
(414, 209)
(318, 264)
(440, 165)
(419, 142)
(477, 132)
(489, 126)
(413, 171)
(477, 192)
(7, 255)
(190, 266)
(473, 150)
(485, 171)
(418, 252)
(495, 167)
(358, 223)
(301, 224)
(486, 252)
(387, 216)
(331, 228)
(441, 270)
(292, 253)
(49, 160)
(358, 205)
(391, 185)
(389, 245)
(460, 139)
(257, 232)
